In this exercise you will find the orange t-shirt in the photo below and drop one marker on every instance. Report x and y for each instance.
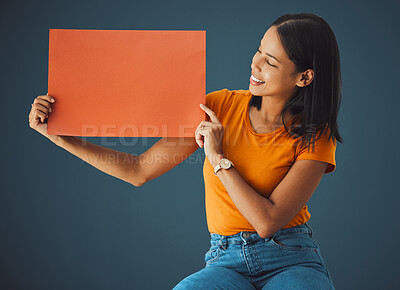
(262, 159)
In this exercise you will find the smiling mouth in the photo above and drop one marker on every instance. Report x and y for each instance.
(256, 79)
(255, 82)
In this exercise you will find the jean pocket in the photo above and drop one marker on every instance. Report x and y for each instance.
(300, 242)
(213, 254)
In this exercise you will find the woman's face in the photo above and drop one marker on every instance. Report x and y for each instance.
(272, 66)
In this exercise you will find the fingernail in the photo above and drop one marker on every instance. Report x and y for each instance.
(52, 100)
(50, 110)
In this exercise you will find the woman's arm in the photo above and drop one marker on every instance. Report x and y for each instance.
(268, 215)
(164, 155)
(160, 158)
(118, 164)
(135, 169)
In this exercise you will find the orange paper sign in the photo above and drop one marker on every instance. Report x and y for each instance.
(126, 83)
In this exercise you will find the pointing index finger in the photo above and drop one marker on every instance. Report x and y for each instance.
(211, 113)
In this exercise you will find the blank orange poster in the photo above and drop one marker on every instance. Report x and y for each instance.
(126, 83)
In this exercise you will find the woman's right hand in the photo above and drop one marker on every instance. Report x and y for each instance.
(41, 107)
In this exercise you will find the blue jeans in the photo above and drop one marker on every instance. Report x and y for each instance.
(288, 259)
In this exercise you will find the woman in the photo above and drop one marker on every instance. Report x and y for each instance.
(267, 149)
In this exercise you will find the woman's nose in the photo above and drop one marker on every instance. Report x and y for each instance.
(254, 64)
(255, 67)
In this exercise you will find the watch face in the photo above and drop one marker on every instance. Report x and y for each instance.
(225, 164)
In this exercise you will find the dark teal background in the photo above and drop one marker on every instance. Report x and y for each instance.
(66, 225)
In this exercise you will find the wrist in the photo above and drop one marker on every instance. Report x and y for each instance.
(216, 158)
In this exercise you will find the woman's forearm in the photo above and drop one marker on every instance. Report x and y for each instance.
(121, 165)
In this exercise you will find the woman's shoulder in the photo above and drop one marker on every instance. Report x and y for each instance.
(224, 97)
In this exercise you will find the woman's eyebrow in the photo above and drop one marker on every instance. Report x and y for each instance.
(271, 55)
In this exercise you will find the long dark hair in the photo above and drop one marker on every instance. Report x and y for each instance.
(310, 43)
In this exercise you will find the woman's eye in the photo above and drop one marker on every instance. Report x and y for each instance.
(265, 59)
(268, 63)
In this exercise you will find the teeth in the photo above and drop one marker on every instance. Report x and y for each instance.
(255, 79)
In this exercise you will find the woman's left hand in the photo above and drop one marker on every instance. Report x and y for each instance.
(213, 133)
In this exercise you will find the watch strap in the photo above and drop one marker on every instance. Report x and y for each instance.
(218, 167)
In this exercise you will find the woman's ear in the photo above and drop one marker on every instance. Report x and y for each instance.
(305, 78)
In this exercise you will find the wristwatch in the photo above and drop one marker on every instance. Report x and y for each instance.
(224, 163)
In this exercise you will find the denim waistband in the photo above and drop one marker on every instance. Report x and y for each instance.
(253, 236)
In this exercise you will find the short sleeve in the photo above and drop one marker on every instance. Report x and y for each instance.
(324, 150)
